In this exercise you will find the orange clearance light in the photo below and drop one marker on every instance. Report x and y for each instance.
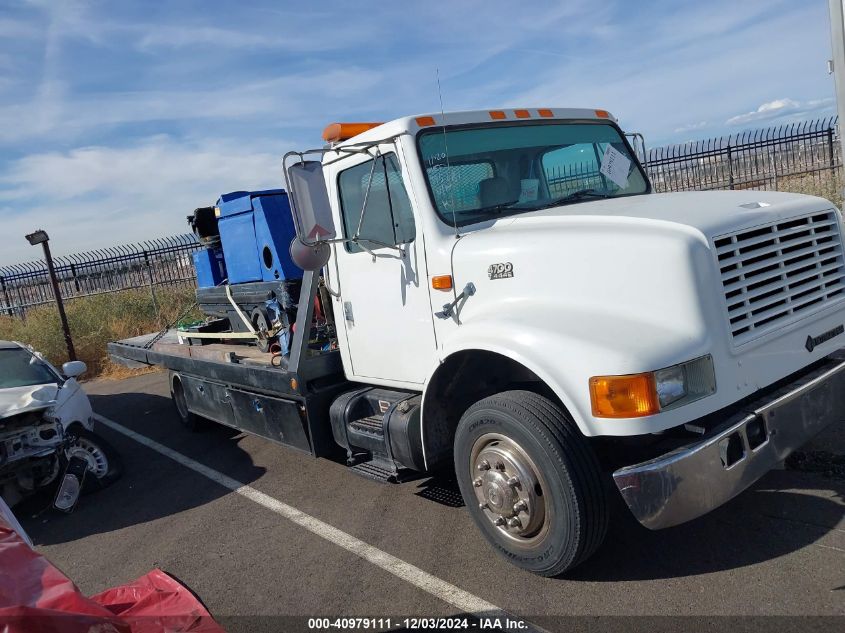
(522, 114)
(602, 114)
(630, 396)
(442, 282)
(342, 131)
(545, 112)
(497, 114)
(424, 121)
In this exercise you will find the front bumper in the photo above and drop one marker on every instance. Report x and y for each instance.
(698, 477)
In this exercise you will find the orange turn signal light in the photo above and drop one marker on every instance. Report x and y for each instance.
(442, 282)
(631, 396)
(342, 131)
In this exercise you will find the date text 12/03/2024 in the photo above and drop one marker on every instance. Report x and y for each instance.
(432, 624)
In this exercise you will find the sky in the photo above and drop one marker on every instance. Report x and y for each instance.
(117, 119)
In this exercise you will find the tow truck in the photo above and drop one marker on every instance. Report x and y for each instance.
(500, 294)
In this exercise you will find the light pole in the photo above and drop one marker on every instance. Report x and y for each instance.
(40, 237)
(837, 62)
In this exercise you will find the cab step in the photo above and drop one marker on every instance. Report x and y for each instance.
(373, 471)
(380, 430)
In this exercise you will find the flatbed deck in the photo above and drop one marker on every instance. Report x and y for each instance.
(245, 388)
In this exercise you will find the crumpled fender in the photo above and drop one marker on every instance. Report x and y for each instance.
(17, 400)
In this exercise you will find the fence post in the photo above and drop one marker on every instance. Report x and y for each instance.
(6, 296)
(21, 303)
(73, 276)
(774, 169)
(149, 267)
(730, 169)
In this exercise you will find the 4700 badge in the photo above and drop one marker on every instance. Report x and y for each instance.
(502, 270)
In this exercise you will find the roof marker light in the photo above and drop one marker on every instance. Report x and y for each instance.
(545, 112)
(602, 114)
(424, 121)
(497, 115)
(335, 132)
(522, 114)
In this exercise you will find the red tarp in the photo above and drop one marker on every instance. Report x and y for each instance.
(35, 597)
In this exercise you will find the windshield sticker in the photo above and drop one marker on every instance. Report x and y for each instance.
(615, 165)
(529, 189)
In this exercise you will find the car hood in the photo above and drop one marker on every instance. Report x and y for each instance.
(17, 400)
(711, 212)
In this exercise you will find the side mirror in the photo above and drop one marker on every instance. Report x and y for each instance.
(74, 368)
(310, 257)
(312, 215)
(310, 206)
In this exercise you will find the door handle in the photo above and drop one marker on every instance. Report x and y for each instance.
(449, 308)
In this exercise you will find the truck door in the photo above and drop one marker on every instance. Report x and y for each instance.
(383, 305)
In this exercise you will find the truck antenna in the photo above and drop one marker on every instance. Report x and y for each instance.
(446, 149)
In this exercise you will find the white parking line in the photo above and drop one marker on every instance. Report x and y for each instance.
(447, 592)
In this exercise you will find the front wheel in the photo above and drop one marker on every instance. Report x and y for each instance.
(103, 461)
(531, 482)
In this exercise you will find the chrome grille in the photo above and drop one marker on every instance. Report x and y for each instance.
(775, 274)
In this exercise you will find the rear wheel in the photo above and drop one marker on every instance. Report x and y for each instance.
(189, 420)
(531, 482)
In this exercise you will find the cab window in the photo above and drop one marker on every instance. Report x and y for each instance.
(388, 218)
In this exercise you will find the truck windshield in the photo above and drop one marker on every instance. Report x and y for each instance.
(480, 173)
(19, 368)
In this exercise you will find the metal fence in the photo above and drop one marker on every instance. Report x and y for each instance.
(761, 159)
(755, 159)
(165, 261)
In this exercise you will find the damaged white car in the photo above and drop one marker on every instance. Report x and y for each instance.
(45, 421)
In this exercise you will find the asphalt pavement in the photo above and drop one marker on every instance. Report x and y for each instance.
(776, 550)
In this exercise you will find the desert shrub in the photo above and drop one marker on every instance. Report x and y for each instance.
(96, 320)
(824, 184)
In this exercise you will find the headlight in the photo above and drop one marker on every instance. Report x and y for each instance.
(637, 395)
(670, 384)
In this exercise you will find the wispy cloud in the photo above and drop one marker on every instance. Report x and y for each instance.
(92, 195)
(779, 109)
(690, 127)
(59, 115)
(116, 119)
(21, 29)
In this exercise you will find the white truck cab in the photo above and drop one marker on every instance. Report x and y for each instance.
(635, 313)
(512, 301)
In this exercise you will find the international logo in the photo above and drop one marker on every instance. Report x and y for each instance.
(815, 341)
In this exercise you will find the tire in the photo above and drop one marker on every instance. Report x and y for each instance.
(104, 463)
(519, 456)
(191, 421)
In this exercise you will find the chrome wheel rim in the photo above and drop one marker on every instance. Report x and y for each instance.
(98, 463)
(509, 489)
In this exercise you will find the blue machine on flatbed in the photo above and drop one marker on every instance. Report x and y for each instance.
(246, 278)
